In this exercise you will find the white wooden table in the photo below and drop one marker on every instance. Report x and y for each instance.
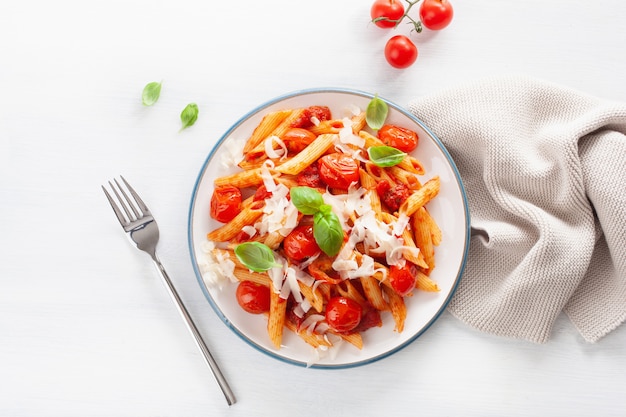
(86, 329)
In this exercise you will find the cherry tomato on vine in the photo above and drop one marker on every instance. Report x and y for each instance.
(343, 314)
(436, 14)
(252, 297)
(300, 243)
(225, 203)
(338, 170)
(400, 52)
(387, 11)
(398, 137)
(403, 279)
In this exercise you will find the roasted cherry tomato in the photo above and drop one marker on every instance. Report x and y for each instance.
(398, 137)
(343, 314)
(261, 193)
(393, 195)
(297, 138)
(225, 203)
(370, 318)
(436, 14)
(338, 170)
(310, 177)
(390, 10)
(400, 52)
(403, 279)
(321, 113)
(300, 243)
(253, 297)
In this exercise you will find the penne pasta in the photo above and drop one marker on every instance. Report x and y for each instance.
(397, 308)
(423, 238)
(242, 179)
(425, 283)
(420, 197)
(374, 293)
(268, 124)
(309, 155)
(276, 318)
(244, 274)
(311, 338)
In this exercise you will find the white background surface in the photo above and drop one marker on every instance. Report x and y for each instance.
(86, 328)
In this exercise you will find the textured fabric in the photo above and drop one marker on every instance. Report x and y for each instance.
(544, 168)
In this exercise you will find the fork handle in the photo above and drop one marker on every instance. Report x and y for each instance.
(228, 393)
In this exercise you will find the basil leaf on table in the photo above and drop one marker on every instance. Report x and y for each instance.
(327, 230)
(189, 115)
(376, 113)
(385, 156)
(151, 93)
(306, 199)
(256, 256)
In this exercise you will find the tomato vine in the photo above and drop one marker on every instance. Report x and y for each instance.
(417, 24)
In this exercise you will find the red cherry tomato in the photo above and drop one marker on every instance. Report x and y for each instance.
(371, 318)
(392, 195)
(321, 113)
(297, 138)
(261, 193)
(300, 243)
(398, 137)
(400, 52)
(253, 297)
(310, 177)
(225, 203)
(338, 170)
(403, 279)
(436, 14)
(390, 10)
(343, 314)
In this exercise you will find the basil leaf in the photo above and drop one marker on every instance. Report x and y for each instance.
(327, 231)
(189, 115)
(151, 93)
(385, 156)
(256, 256)
(306, 199)
(376, 113)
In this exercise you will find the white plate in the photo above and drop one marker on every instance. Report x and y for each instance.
(449, 209)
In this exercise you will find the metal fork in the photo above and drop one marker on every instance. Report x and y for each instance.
(137, 221)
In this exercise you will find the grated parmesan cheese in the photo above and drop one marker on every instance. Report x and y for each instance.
(272, 153)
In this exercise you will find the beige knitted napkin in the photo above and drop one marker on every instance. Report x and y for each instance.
(544, 168)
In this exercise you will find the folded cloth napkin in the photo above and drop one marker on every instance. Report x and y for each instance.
(544, 169)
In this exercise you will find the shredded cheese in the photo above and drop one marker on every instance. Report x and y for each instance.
(272, 153)
(359, 220)
(217, 269)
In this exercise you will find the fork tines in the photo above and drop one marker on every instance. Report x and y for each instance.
(134, 209)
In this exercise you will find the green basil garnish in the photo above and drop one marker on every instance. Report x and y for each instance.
(327, 230)
(306, 199)
(385, 156)
(376, 113)
(151, 93)
(256, 256)
(189, 115)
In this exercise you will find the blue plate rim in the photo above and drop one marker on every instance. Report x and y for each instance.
(205, 165)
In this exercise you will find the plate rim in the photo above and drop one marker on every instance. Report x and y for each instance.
(204, 167)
